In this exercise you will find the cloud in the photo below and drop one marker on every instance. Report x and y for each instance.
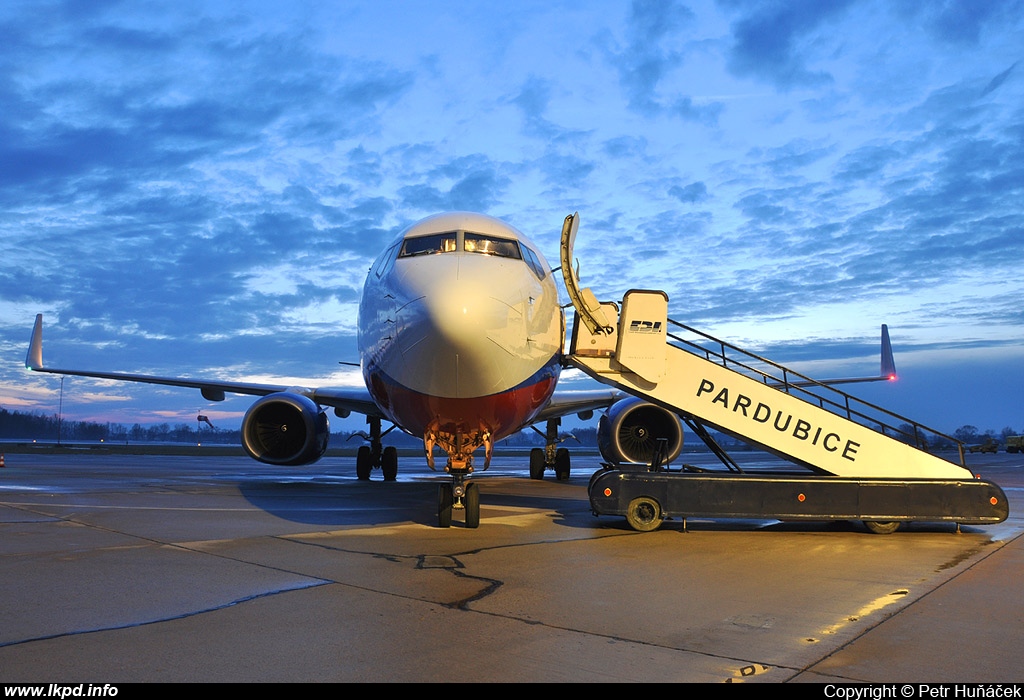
(689, 110)
(691, 193)
(650, 54)
(959, 22)
(156, 174)
(654, 48)
(470, 183)
(768, 40)
(533, 100)
(625, 147)
(998, 80)
(202, 187)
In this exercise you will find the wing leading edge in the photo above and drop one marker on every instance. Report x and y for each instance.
(568, 402)
(355, 400)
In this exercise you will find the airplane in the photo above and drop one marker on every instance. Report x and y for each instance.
(461, 341)
(460, 336)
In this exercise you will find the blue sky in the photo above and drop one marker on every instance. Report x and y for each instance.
(198, 188)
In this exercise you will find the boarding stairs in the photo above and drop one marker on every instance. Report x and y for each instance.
(709, 382)
(718, 385)
(864, 462)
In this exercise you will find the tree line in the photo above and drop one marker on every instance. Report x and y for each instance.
(17, 425)
(970, 434)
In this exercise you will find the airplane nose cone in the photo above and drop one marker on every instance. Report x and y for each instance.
(460, 324)
(462, 314)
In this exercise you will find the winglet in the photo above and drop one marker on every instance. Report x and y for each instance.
(888, 363)
(34, 358)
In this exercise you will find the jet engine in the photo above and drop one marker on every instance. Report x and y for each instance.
(285, 428)
(629, 432)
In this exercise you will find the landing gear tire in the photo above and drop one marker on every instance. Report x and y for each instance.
(644, 514)
(537, 463)
(364, 463)
(879, 528)
(445, 499)
(472, 502)
(389, 463)
(562, 464)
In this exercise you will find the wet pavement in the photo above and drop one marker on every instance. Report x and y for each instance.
(144, 568)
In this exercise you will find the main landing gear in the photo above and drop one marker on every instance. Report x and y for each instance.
(375, 455)
(551, 457)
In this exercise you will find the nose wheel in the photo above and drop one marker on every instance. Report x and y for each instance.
(459, 495)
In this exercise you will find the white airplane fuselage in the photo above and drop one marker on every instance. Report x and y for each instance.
(460, 333)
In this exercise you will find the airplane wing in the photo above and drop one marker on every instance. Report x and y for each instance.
(355, 400)
(565, 402)
(887, 371)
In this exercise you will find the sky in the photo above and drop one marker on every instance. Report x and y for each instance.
(198, 188)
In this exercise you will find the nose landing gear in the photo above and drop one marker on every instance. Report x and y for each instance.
(461, 494)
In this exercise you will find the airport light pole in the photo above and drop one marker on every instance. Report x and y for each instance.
(60, 410)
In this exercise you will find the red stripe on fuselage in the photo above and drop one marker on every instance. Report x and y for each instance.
(501, 414)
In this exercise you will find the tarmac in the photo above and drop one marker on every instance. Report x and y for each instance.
(123, 568)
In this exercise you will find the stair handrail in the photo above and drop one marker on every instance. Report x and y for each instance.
(796, 384)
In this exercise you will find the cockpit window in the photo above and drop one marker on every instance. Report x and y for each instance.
(384, 262)
(534, 262)
(502, 247)
(471, 243)
(427, 245)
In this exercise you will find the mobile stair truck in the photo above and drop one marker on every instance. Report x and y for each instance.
(849, 461)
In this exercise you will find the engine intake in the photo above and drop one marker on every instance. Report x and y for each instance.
(629, 432)
(285, 429)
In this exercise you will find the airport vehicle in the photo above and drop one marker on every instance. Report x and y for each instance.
(1014, 443)
(990, 446)
(852, 460)
(857, 460)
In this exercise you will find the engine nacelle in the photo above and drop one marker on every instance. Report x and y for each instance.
(285, 428)
(629, 432)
